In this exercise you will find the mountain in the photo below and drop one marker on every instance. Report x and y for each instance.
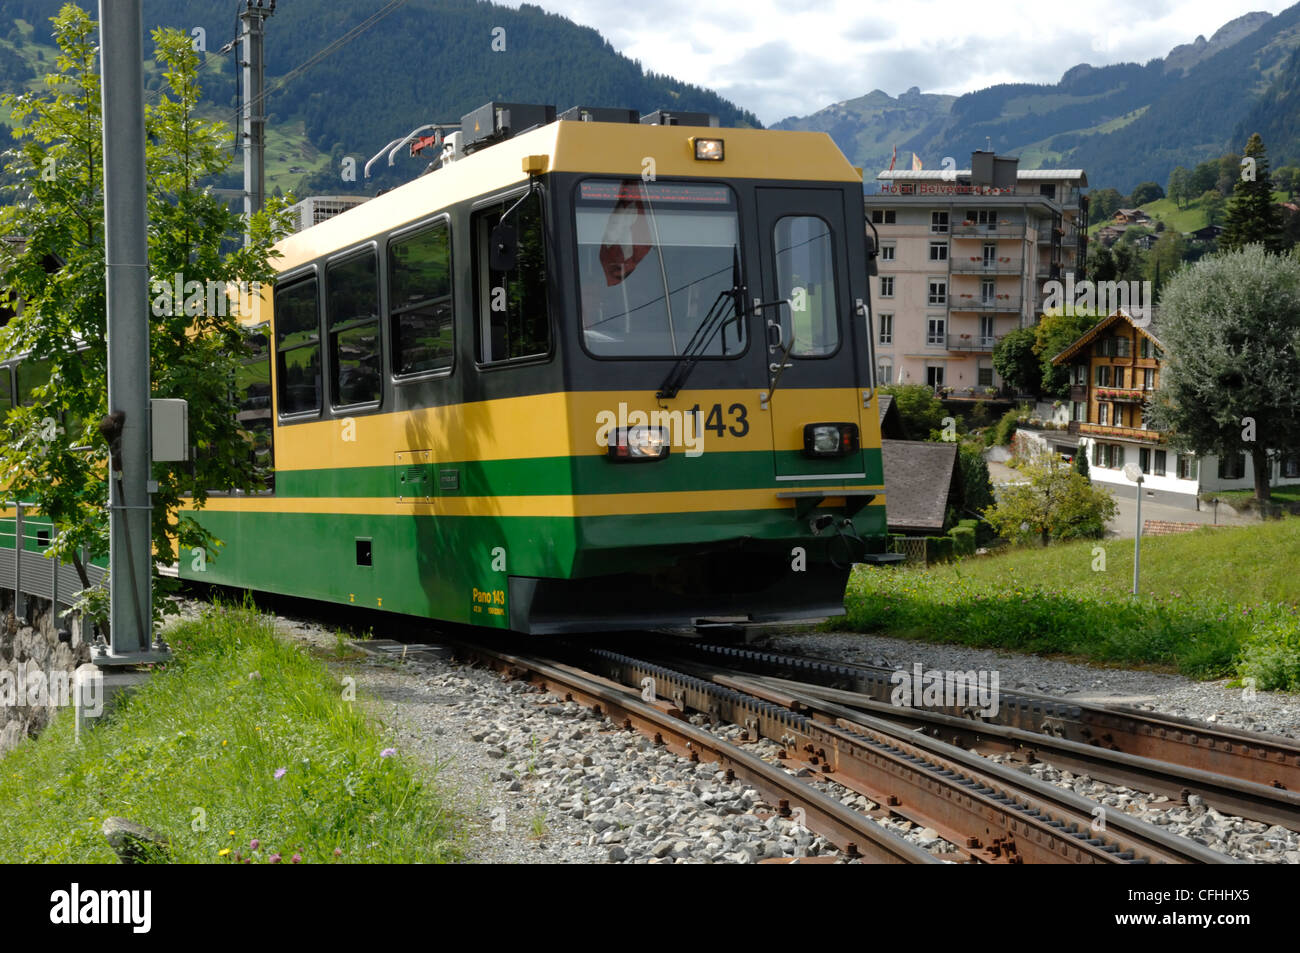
(1123, 124)
(427, 61)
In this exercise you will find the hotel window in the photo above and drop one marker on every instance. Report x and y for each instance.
(883, 216)
(935, 331)
(983, 216)
(1103, 414)
(1187, 466)
(1103, 375)
(988, 291)
(884, 373)
(1149, 378)
(1119, 376)
(886, 329)
(938, 292)
(1144, 460)
(1117, 456)
(1098, 455)
(986, 330)
(1158, 465)
(984, 376)
(934, 375)
(938, 222)
(938, 251)
(887, 252)
(1078, 410)
(886, 286)
(1232, 466)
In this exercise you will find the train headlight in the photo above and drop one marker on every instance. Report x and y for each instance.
(708, 150)
(830, 440)
(638, 444)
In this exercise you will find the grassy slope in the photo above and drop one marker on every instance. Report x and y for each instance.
(198, 747)
(1211, 602)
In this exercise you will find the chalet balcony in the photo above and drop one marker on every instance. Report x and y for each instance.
(1007, 303)
(1131, 394)
(972, 342)
(1122, 433)
(976, 265)
(986, 231)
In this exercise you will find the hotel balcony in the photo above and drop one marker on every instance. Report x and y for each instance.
(971, 302)
(975, 265)
(971, 342)
(1000, 230)
(1122, 433)
(1048, 270)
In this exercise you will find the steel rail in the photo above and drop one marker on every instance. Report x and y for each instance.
(1256, 757)
(994, 813)
(853, 833)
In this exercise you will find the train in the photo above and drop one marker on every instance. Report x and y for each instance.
(590, 372)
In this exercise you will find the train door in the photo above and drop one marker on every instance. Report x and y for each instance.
(812, 357)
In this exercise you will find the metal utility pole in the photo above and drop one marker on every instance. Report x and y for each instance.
(127, 295)
(252, 19)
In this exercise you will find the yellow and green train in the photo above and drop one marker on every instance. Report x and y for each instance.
(586, 376)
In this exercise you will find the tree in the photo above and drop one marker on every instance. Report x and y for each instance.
(1146, 192)
(921, 411)
(977, 487)
(1057, 503)
(1165, 258)
(51, 453)
(1213, 204)
(1252, 216)
(1285, 179)
(1015, 361)
(1203, 177)
(1102, 204)
(1230, 383)
(1229, 173)
(1081, 464)
(1180, 186)
(1054, 334)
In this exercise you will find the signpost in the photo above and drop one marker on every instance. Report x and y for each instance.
(1134, 473)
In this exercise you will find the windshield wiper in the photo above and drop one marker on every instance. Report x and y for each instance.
(714, 321)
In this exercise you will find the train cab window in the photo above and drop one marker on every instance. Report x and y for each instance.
(6, 395)
(253, 396)
(654, 259)
(420, 314)
(297, 346)
(805, 275)
(352, 308)
(514, 320)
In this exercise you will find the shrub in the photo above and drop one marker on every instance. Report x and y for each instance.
(963, 541)
(1271, 655)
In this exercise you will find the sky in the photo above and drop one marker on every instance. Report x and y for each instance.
(782, 58)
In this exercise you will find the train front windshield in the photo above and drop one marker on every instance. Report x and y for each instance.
(653, 258)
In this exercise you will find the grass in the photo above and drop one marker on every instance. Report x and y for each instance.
(195, 754)
(1214, 603)
(1246, 498)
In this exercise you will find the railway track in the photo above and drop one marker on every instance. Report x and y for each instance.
(989, 812)
(1161, 769)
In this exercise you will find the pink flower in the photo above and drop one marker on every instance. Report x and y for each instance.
(388, 752)
(280, 772)
(275, 858)
(296, 859)
(254, 843)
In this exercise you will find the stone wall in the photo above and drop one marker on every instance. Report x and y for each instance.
(34, 641)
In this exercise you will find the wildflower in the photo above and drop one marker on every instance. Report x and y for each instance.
(296, 859)
(338, 852)
(223, 742)
(275, 858)
(254, 844)
(280, 772)
(223, 852)
(388, 752)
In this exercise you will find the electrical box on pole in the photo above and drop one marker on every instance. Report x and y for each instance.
(170, 419)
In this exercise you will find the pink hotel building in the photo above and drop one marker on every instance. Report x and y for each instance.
(963, 258)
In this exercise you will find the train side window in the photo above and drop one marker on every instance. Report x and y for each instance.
(6, 395)
(805, 274)
(31, 375)
(297, 346)
(253, 395)
(420, 313)
(514, 320)
(352, 306)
